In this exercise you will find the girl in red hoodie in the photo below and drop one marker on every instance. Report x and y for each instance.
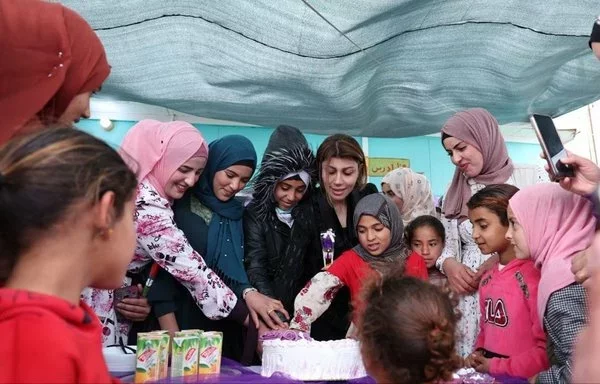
(379, 229)
(66, 223)
(511, 340)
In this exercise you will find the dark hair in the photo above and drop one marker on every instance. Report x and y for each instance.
(408, 329)
(346, 147)
(495, 198)
(444, 137)
(369, 189)
(425, 221)
(43, 175)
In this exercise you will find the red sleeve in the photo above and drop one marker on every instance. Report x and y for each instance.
(344, 266)
(34, 354)
(535, 360)
(415, 267)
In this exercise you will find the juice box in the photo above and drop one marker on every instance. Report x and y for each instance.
(184, 357)
(148, 357)
(191, 331)
(165, 346)
(211, 346)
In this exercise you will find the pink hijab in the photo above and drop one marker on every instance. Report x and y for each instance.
(557, 225)
(160, 148)
(479, 128)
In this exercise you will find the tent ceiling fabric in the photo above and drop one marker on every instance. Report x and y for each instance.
(408, 67)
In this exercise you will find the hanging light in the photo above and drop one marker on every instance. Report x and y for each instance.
(106, 124)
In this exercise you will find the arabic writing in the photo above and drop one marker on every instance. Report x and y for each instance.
(380, 166)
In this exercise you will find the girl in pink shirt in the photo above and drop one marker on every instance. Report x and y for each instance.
(511, 340)
(550, 225)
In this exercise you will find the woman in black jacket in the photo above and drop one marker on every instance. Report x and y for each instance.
(279, 221)
(342, 169)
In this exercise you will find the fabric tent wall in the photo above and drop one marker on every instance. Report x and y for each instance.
(402, 68)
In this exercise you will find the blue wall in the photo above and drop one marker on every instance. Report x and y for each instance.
(424, 152)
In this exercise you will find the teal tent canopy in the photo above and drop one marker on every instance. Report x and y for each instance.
(365, 67)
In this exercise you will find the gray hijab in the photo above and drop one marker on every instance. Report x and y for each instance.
(383, 209)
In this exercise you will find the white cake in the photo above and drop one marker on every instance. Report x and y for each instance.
(310, 360)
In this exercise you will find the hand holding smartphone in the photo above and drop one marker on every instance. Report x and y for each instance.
(123, 293)
(552, 146)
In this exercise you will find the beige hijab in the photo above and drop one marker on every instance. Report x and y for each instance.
(414, 189)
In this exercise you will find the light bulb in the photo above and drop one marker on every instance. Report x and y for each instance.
(106, 123)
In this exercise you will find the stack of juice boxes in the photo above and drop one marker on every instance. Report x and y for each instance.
(193, 352)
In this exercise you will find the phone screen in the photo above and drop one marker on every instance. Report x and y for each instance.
(549, 134)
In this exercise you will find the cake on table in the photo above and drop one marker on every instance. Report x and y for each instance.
(296, 355)
(470, 376)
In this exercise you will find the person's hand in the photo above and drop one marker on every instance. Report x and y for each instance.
(264, 307)
(579, 266)
(587, 175)
(486, 266)
(460, 278)
(469, 361)
(534, 378)
(352, 332)
(587, 349)
(481, 364)
(596, 49)
(134, 309)
(262, 329)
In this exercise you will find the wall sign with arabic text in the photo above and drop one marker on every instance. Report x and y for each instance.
(380, 166)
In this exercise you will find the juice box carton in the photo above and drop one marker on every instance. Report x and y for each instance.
(191, 331)
(185, 351)
(165, 346)
(148, 358)
(211, 346)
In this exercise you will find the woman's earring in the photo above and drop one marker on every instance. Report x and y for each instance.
(106, 233)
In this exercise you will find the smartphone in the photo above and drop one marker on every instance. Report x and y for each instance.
(122, 293)
(552, 146)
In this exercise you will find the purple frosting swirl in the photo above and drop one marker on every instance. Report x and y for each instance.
(476, 378)
(285, 335)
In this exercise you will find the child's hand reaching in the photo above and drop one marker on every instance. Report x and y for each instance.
(481, 364)
(470, 360)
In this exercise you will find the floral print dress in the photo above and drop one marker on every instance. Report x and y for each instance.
(159, 240)
(101, 301)
(314, 299)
